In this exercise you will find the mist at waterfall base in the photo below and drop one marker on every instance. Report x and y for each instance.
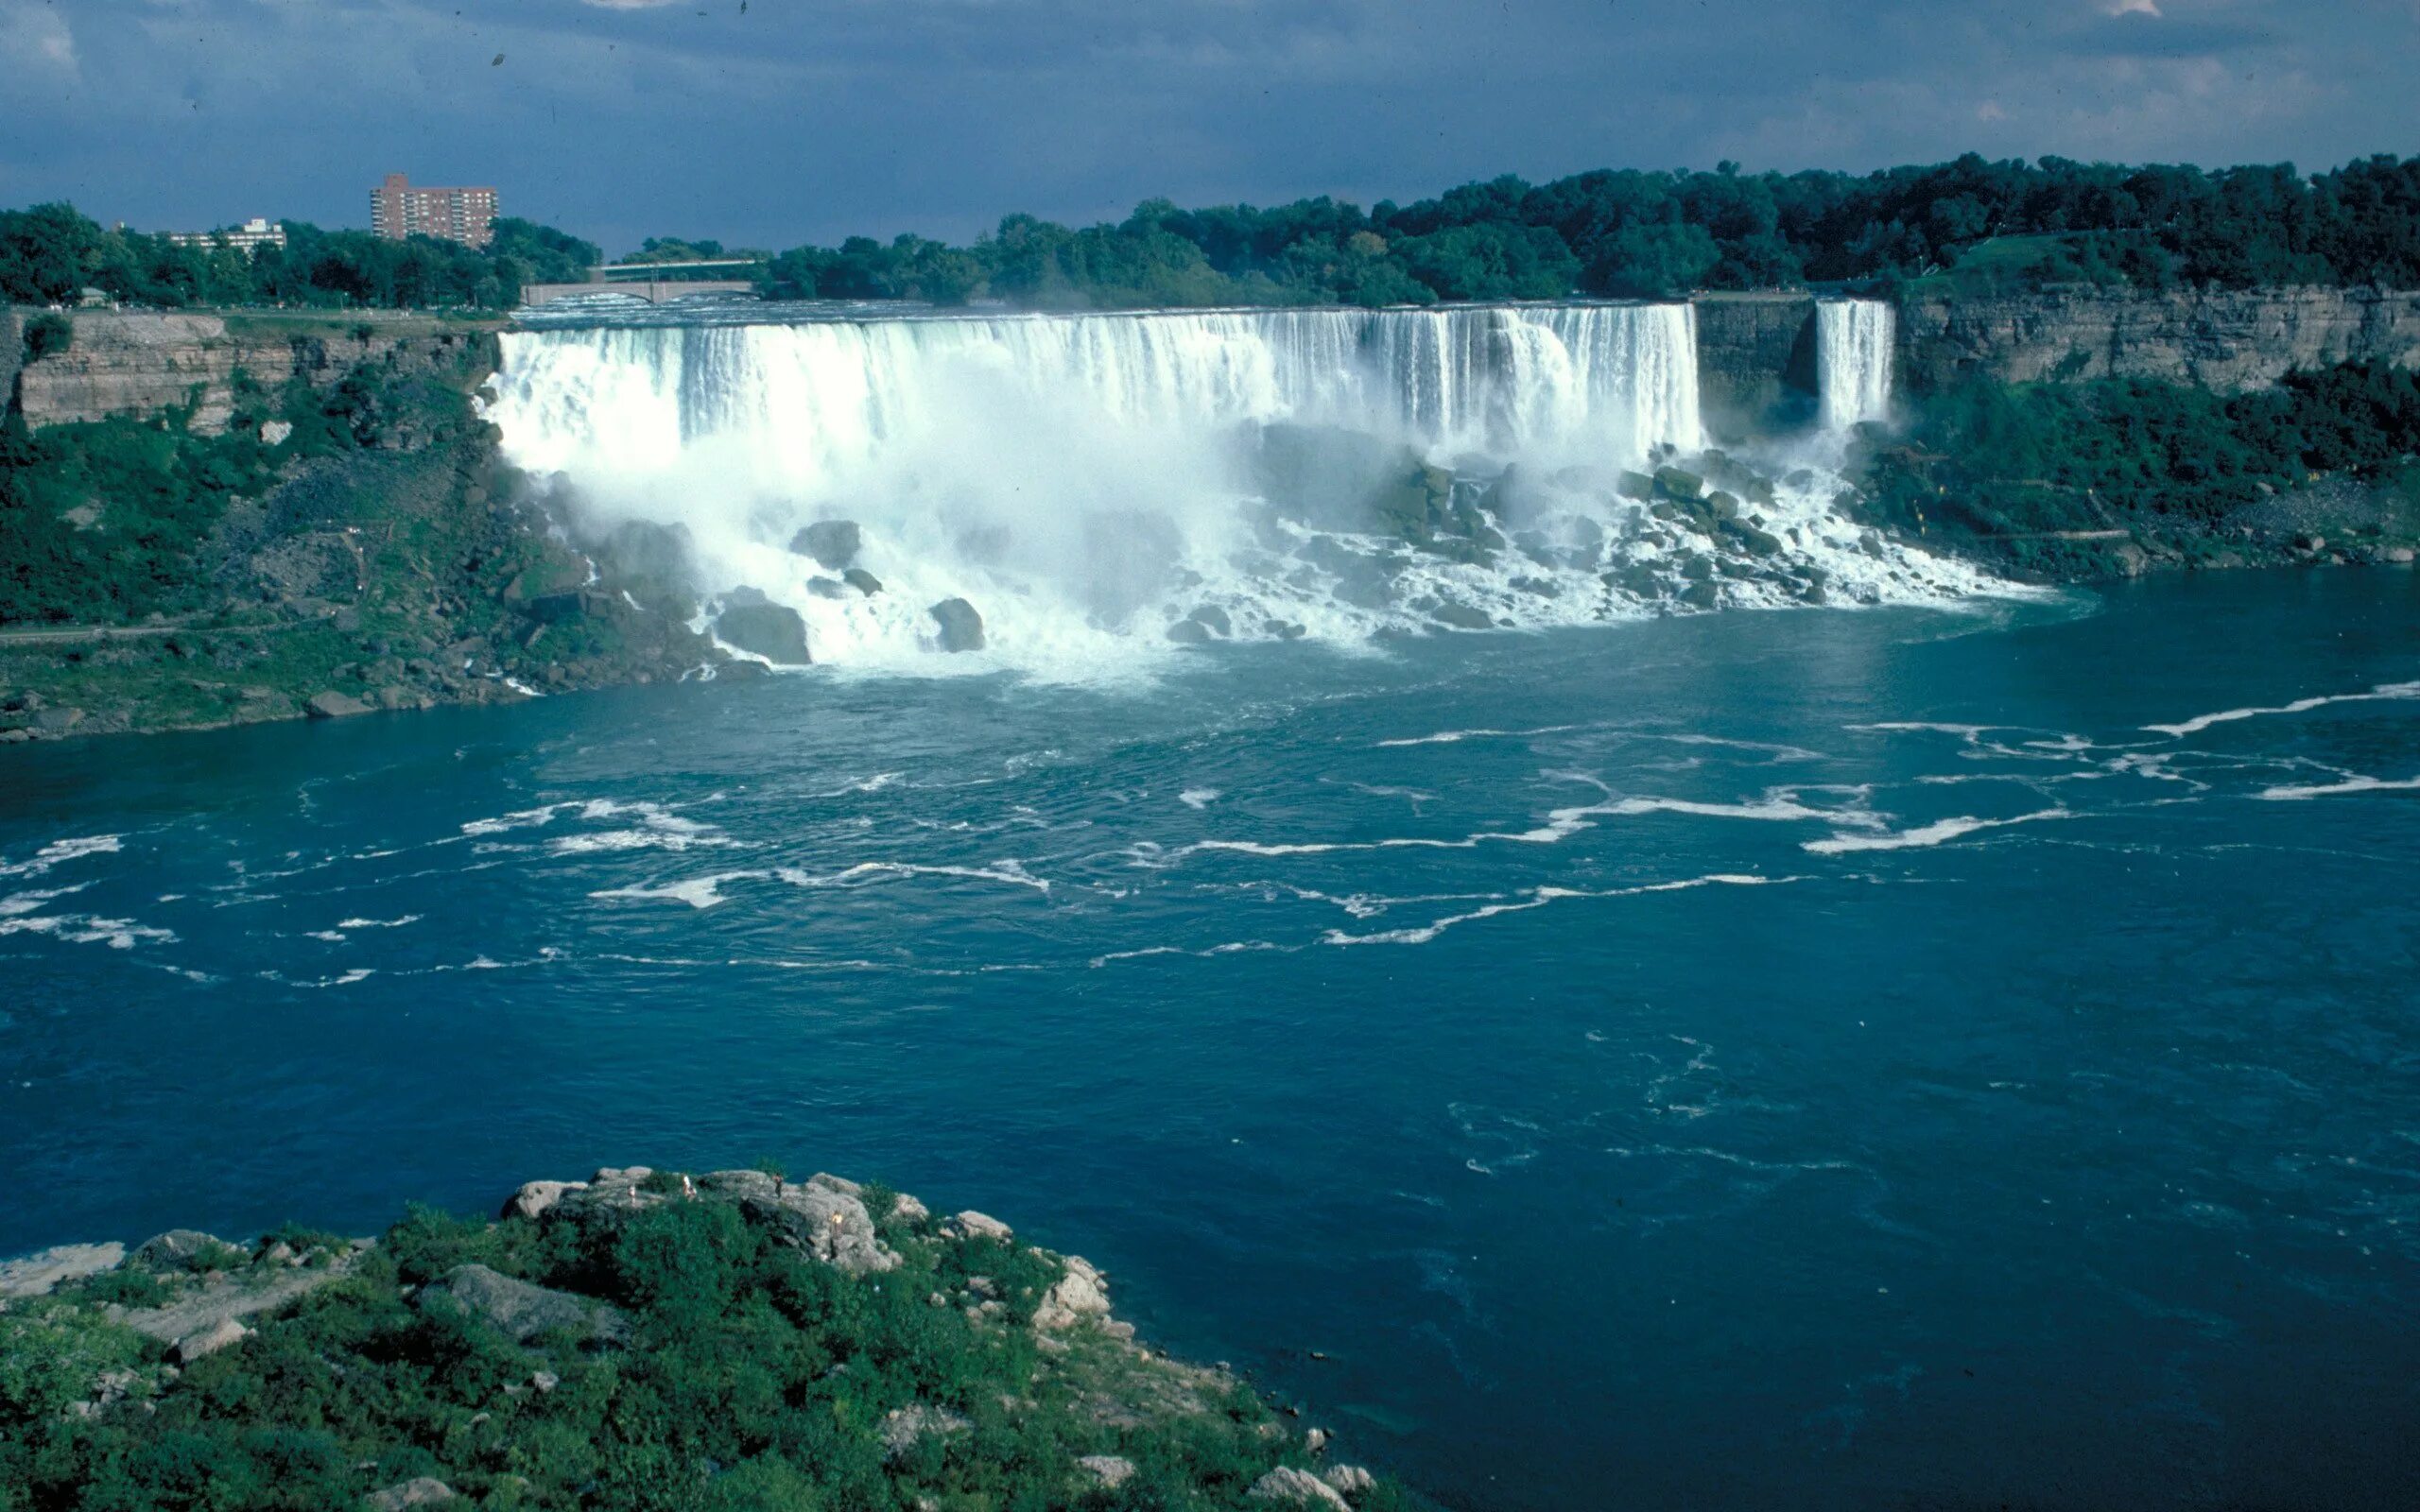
(1088, 482)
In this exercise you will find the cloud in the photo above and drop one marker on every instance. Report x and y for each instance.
(620, 119)
(34, 35)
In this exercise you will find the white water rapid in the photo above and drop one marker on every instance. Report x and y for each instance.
(1853, 346)
(1093, 484)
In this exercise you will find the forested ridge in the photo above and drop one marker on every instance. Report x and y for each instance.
(1618, 233)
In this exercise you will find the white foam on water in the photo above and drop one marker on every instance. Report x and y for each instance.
(698, 892)
(865, 872)
(1539, 897)
(378, 923)
(85, 929)
(2351, 784)
(1199, 798)
(26, 903)
(2385, 691)
(1941, 831)
(59, 851)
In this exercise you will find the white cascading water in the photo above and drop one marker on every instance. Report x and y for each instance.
(1853, 347)
(1086, 481)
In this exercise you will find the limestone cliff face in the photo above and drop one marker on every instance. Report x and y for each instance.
(2227, 340)
(144, 362)
(1756, 360)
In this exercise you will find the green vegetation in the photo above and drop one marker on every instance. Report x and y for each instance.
(50, 254)
(2029, 463)
(731, 1366)
(1635, 234)
(1621, 233)
(103, 521)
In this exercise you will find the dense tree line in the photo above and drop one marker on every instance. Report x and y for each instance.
(1649, 233)
(1617, 233)
(50, 254)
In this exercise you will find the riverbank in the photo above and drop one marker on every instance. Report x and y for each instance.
(732, 1339)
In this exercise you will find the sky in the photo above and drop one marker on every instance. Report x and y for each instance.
(774, 122)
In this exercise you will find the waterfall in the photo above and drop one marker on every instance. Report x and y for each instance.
(1102, 486)
(804, 404)
(1853, 341)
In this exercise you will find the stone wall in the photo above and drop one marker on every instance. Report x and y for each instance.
(2227, 340)
(142, 362)
(1755, 361)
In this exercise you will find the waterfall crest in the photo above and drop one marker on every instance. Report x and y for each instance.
(1854, 340)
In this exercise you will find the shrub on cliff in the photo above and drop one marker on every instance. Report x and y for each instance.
(748, 1374)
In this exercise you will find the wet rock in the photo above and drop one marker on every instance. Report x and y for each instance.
(1189, 632)
(1673, 483)
(1638, 580)
(827, 588)
(1702, 596)
(961, 627)
(1288, 630)
(1697, 567)
(833, 543)
(862, 580)
(773, 631)
(521, 1310)
(1636, 486)
(1755, 541)
(1723, 506)
(334, 705)
(1462, 617)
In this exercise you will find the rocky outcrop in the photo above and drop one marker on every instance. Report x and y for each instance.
(773, 631)
(2224, 340)
(833, 543)
(961, 627)
(144, 362)
(521, 1310)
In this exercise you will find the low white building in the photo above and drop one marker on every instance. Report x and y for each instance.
(253, 233)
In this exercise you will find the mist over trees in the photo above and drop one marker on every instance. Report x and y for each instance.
(1612, 233)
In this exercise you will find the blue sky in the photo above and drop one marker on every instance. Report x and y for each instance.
(793, 120)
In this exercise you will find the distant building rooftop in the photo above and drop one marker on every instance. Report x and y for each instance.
(256, 233)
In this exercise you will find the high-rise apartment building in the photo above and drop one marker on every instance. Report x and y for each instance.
(399, 208)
